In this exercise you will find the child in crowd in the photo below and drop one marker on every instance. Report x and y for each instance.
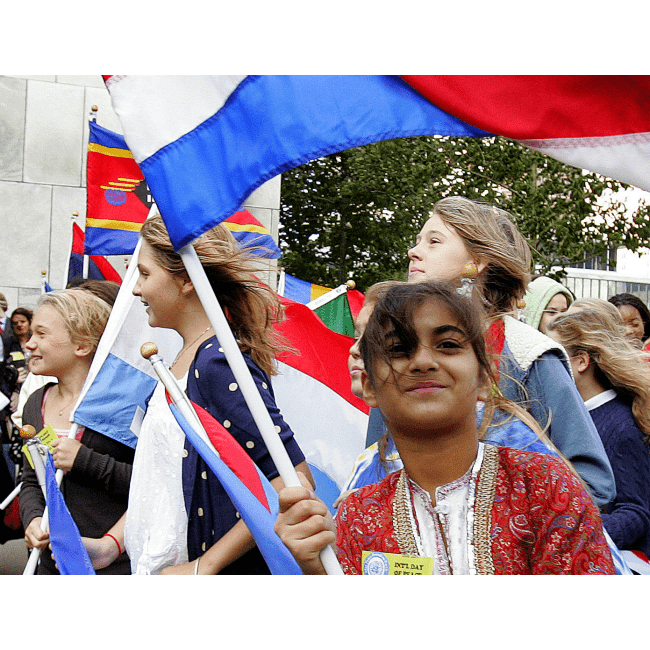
(614, 381)
(468, 507)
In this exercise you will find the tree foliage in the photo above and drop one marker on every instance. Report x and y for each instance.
(355, 214)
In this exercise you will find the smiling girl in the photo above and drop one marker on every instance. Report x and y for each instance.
(180, 519)
(66, 329)
(469, 507)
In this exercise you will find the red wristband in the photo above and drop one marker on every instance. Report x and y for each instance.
(119, 548)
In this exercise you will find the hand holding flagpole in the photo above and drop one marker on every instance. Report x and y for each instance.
(182, 402)
(28, 433)
(246, 384)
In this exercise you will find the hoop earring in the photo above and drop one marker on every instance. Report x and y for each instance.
(468, 279)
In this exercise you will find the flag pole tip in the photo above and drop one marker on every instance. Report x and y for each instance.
(43, 272)
(148, 350)
(27, 432)
(351, 284)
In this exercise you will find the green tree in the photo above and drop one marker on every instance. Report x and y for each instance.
(355, 214)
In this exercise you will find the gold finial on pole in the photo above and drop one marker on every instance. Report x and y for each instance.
(27, 432)
(351, 284)
(148, 350)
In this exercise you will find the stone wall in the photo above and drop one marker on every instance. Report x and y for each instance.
(43, 148)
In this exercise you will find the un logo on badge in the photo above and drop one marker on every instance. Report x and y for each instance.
(376, 564)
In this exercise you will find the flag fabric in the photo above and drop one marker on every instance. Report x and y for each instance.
(99, 268)
(118, 199)
(595, 122)
(302, 291)
(205, 143)
(250, 491)
(335, 311)
(119, 382)
(328, 421)
(69, 552)
(250, 233)
(356, 300)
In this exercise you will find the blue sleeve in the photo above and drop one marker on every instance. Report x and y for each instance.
(509, 431)
(376, 427)
(212, 385)
(628, 521)
(553, 394)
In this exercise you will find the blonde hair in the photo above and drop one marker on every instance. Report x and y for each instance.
(250, 306)
(490, 234)
(84, 314)
(596, 327)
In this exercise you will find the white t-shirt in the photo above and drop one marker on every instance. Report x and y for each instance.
(155, 533)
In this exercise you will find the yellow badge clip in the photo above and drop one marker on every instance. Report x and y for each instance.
(46, 435)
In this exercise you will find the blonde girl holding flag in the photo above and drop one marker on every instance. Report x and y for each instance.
(66, 329)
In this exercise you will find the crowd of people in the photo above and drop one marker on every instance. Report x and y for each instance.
(509, 430)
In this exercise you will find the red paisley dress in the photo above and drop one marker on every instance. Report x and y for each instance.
(538, 519)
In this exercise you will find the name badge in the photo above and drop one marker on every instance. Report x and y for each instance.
(46, 435)
(374, 563)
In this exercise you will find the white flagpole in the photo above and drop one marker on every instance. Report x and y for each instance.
(246, 384)
(329, 296)
(14, 493)
(281, 283)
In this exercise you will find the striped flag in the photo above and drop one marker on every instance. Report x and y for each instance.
(299, 290)
(250, 233)
(99, 268)
(119, 382)
(328, 421)
(333, 308)
(205, 143)
(249, 490)
(118, 199)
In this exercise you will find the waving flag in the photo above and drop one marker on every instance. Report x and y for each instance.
(119, 382)
(69, 552)
(99, 268)
(249, 490)
(328, 421)
(299, 290)
(250, 233)
(205, 143)
(118, 196)
(333, 308)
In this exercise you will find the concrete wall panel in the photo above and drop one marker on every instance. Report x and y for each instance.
(25, 243)
(54, 134)
(12, 128)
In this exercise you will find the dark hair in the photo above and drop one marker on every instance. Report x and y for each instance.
(631, 300)
(22, 311)
(394, 313)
